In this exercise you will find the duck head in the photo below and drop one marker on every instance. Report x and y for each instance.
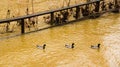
(99, 45)
(73, 45)
(44, 46)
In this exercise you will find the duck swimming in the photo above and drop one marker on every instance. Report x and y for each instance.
(70, 46)
(95, 47)
(41, 47)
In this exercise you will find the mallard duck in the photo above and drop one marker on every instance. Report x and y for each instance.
(70, 46)
(41, 47)
(95, 47)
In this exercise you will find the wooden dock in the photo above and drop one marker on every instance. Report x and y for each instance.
(78, 8)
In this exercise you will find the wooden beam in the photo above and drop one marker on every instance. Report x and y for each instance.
(52, 18)
(77, 12)
(22, 26)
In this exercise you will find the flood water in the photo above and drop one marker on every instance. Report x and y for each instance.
(21, 51)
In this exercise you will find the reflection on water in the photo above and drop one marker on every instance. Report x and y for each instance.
(21, 51)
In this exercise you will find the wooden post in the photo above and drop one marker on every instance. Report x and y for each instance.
(116, 9)
(97, 6)
(116, 5)
(52, 18)
(115, 2)
(77, 12)
(69, 3)
(32, 7)
(22, 26)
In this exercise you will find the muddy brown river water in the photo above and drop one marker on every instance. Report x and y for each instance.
(21, 51)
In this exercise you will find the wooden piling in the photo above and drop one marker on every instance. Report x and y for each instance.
(116, 10)
(117, 5)
(22, 26)
(97, 6)
(116, 2)
(77, 12)
(52, 18)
